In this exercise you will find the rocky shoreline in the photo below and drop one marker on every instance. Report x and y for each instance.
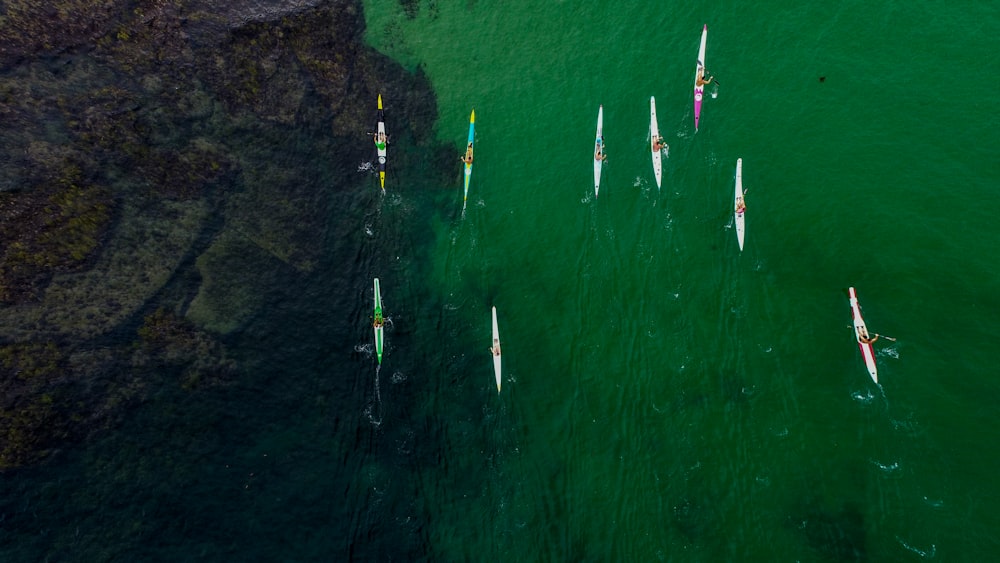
(129, 196)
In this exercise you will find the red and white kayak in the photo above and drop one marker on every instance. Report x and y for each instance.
(698, 71)
(867, 352)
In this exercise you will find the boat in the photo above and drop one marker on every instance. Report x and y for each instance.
(599, 150)
(379, 321)
(495, 349)
(654, 134)
(737, 199)
(867, 352)
(699, 71)
(468, 156)
(380, 144)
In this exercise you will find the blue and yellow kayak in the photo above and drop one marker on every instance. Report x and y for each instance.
(468, 156)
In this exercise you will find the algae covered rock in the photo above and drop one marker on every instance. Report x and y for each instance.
(148, 245)
(171, 169)
(48, 229)
(167, 340)
(236, 273)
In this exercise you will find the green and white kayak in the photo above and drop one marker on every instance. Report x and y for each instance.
(378, 322)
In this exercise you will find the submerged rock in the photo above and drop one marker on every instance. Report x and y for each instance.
(170, 155)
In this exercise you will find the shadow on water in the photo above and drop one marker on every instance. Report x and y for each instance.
(838, 533)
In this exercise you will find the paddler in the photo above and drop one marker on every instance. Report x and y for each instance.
(468, 155)
(495, 349)
(380, 141)
(741, 206)
(378, 321)
(658, 144)
(864, 338)
(700, 79)
(599, 151)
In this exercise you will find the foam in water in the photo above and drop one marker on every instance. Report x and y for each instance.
(934, 503)
(891, 352)
(926, 554)
(865, 397)
(887, 468)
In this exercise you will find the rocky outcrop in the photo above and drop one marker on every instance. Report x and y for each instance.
(161, 157)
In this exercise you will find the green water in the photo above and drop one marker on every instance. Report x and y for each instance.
(667, 397)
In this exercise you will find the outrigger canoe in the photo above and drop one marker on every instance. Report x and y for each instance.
(699, 71)
(599, 150)
(654, 133)
(495, 349)
(380, 144)
(468, 155)
(737, 199)
(867, 352)
(379, 321)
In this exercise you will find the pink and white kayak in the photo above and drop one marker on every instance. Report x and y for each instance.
(739, 216)
(867, 352)
(698, 71)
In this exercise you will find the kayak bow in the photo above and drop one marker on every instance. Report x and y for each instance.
(468, 153)
(379, 321)
(739, 215)
(654, 133)
(599, 150)
(699, 70)
(495, 349)
(380, 144)
(867, 352)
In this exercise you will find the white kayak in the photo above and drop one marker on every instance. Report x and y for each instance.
(495, 349)
(867, 352)
(654, 133)
(739, 214)
(599, 150)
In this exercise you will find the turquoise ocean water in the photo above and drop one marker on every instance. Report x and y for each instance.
(665, 396)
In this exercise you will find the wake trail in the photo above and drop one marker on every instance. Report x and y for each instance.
(374, 410)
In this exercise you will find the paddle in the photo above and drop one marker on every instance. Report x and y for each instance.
(878, 335)
(704, 73)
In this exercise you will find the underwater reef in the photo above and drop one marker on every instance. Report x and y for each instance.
(165, 161)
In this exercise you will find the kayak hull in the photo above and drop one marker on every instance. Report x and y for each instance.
(495, 350)
(382, 152)
(699, 91)
(654, 132)
(867, 351)
(378, 317)
(598, 148)
(468, 166)
(739, 217)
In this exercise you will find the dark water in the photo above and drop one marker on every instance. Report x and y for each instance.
(665, 396)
